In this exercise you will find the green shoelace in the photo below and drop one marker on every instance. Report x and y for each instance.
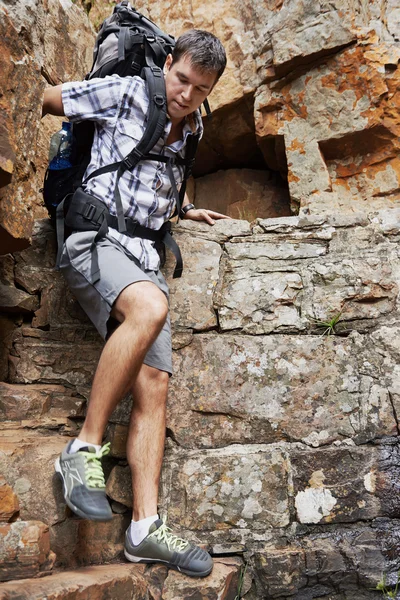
(93, 469)
(173, 542)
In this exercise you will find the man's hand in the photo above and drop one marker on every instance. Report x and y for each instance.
(202, 214)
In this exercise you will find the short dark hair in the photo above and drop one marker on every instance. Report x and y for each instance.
(204, 49)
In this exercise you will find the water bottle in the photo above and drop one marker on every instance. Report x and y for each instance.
(61, 148)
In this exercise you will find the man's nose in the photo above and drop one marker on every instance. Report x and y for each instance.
(187, 93)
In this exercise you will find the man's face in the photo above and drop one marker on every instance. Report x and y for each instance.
(186, 86)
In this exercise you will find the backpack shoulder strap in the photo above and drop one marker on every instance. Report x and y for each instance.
(156, 120)
(191, 148)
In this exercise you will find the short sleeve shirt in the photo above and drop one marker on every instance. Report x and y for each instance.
(119, 106)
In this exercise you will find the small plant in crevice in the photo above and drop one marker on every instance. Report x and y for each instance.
(328, 325)
(242, 574)
(388, 591)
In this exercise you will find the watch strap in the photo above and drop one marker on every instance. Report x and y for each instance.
(186, 209)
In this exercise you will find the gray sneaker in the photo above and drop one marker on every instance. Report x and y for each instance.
(84, 485)
(162, 546)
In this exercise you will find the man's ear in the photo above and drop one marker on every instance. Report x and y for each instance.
(168, 63)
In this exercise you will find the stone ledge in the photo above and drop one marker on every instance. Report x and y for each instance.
(116, 581)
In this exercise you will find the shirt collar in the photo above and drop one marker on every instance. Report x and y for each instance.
(193, 124)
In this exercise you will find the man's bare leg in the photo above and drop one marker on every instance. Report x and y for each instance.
(142, 309)
(148, 539)
(145, 446)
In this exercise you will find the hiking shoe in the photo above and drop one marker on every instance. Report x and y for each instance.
(162, 546)
(84, 485)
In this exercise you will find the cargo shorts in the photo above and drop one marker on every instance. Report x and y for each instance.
(118, 269)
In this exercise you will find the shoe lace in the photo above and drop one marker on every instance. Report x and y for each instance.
(173, 542)
(93, 469)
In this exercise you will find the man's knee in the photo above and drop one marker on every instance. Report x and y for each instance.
(156, 376)
(144, 301)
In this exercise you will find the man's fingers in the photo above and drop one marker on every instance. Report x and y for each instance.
(207, 217)
(217, 215)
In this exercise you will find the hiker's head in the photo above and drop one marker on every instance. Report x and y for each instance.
(205, 51)
(192, 70)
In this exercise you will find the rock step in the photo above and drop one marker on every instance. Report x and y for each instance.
(126, 581)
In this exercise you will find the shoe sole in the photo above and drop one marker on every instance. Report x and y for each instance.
(68, 502)
(136, 559)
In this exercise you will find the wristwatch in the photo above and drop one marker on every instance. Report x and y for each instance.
(186, 209)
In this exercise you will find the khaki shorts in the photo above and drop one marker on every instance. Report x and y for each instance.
(118, 269)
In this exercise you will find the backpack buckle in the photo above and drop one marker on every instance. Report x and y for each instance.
(159, 100)
(89, 212)
(136, 67)
(157, 72)
(132, 159)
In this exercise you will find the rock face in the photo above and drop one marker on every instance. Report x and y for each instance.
(282, 443)
(33, 54)
(314, 86)
(243, 194)
(311, 91)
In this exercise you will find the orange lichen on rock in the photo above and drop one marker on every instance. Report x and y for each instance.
(297, 145)
(348, 106)
(9, 505)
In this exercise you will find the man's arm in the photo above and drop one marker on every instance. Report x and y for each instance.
(52, 102)
(202, 214)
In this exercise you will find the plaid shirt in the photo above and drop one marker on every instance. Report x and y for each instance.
(119, 106)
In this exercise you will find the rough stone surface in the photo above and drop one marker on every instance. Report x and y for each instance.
(9, 505)
(222, 583)
(313, 389)
(243, 194)
(344, 157)
(96, 583)
(339, 563)
(14, 300)
(24, 550)
(33, 54)
(136, 582)
(279, 437)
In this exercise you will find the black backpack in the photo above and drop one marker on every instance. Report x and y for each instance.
(127, 44)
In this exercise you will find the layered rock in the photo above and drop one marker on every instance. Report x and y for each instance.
(281, 440)
(339, 126)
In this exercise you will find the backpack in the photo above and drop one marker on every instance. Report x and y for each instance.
(128, 43)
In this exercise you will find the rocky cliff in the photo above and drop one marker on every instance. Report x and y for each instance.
(282, 446)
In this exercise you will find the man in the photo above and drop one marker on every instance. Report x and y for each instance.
(131, 291)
